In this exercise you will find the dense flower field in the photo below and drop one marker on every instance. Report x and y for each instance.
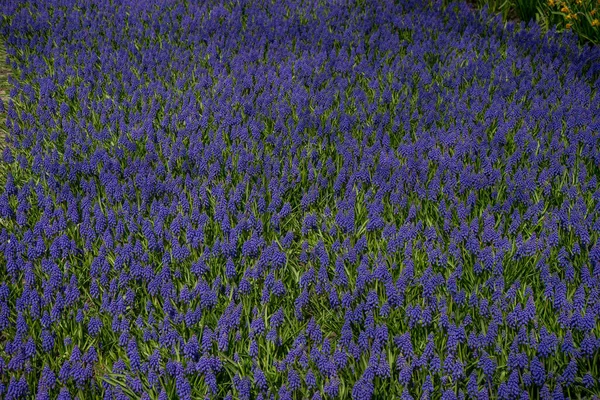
(305, 199)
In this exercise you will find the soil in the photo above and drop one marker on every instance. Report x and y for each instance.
(4, 92)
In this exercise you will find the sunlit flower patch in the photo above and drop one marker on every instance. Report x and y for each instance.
(297, 200)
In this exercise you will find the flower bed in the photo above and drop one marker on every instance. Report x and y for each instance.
(300, 199)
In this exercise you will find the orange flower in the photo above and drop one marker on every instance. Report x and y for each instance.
(568, 26)
(565, 9)
(595, 22)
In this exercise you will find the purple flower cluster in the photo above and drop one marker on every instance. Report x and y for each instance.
(299, 199)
